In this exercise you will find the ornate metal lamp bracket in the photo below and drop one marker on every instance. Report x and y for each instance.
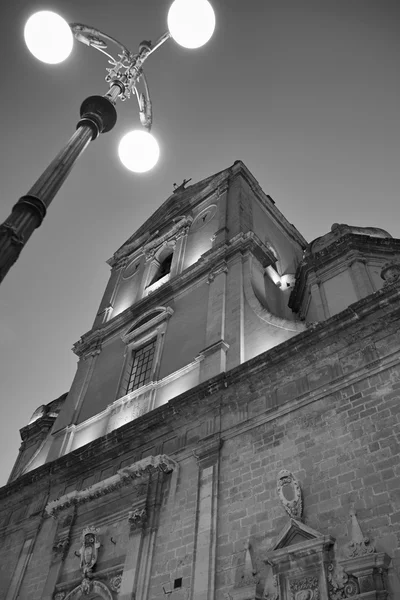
(126, 70)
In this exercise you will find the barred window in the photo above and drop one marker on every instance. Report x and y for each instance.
(139, 367)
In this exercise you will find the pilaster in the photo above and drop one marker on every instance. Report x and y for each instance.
(207, 454)
(318, 295)
(234, 315)
(59, 530)
(214, 354)
(136, 521)
(360, 277)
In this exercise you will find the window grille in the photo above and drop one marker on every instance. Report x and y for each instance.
(139, 368)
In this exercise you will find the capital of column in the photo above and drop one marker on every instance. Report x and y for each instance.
(207, 451)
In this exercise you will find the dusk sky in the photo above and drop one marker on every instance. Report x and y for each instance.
(305, 92)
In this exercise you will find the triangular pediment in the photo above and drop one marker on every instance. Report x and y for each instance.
(293, 533)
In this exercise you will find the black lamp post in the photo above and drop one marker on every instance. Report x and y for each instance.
(98, 114)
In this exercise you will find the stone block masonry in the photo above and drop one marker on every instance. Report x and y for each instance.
(323, 406)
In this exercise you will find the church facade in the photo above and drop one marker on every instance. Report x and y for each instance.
(232, 431)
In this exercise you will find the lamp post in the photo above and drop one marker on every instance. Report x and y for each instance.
(49, 38)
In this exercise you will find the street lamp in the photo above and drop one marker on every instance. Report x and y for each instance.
(50, 39)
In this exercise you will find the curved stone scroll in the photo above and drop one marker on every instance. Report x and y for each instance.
(92, 587)
(289, 493)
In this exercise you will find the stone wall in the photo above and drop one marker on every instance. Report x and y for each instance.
(324, 406)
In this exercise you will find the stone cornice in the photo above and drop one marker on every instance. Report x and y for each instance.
(209, 261)
(124, 477)
(37, 428)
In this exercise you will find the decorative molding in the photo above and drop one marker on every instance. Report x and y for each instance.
(125, 476)
(289, 493)
(161, 313)
(340, 585)
(222, 268)
(89, 586)
(150, 249)
(216, 347)
(306, 588)
(115, 582)
(208, 450)
(137, 518)
(91, 347)
(391, 272)
(61, 547)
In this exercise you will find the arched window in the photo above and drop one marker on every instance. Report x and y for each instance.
(164, 267)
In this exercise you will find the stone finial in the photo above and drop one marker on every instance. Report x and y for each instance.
(390, 272)
(246, 578)
(359, 545)
(289, 493)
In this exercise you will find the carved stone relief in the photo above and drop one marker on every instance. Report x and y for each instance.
(137, 518)
(115, 582)
(340, 584)
(289, 493)
(60, 548)
(88, 551)
(306, 588)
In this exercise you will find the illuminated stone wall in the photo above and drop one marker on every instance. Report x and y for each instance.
(224, 301)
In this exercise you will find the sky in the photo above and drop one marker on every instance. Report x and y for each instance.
(305, 92)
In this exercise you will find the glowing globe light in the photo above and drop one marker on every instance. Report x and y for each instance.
(191, 22)
(139, 151)
(49, 37)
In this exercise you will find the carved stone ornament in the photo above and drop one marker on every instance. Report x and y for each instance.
(273, 594)
(60, 548)
(59, 596)
(390, 272)
(115, 582)
(89, 550)
(137, 518)
(305, 589)
(125, 476)
(289, 493)
(341, 585)
(88, 586)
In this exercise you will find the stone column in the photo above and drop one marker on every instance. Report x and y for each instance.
(203, 583)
